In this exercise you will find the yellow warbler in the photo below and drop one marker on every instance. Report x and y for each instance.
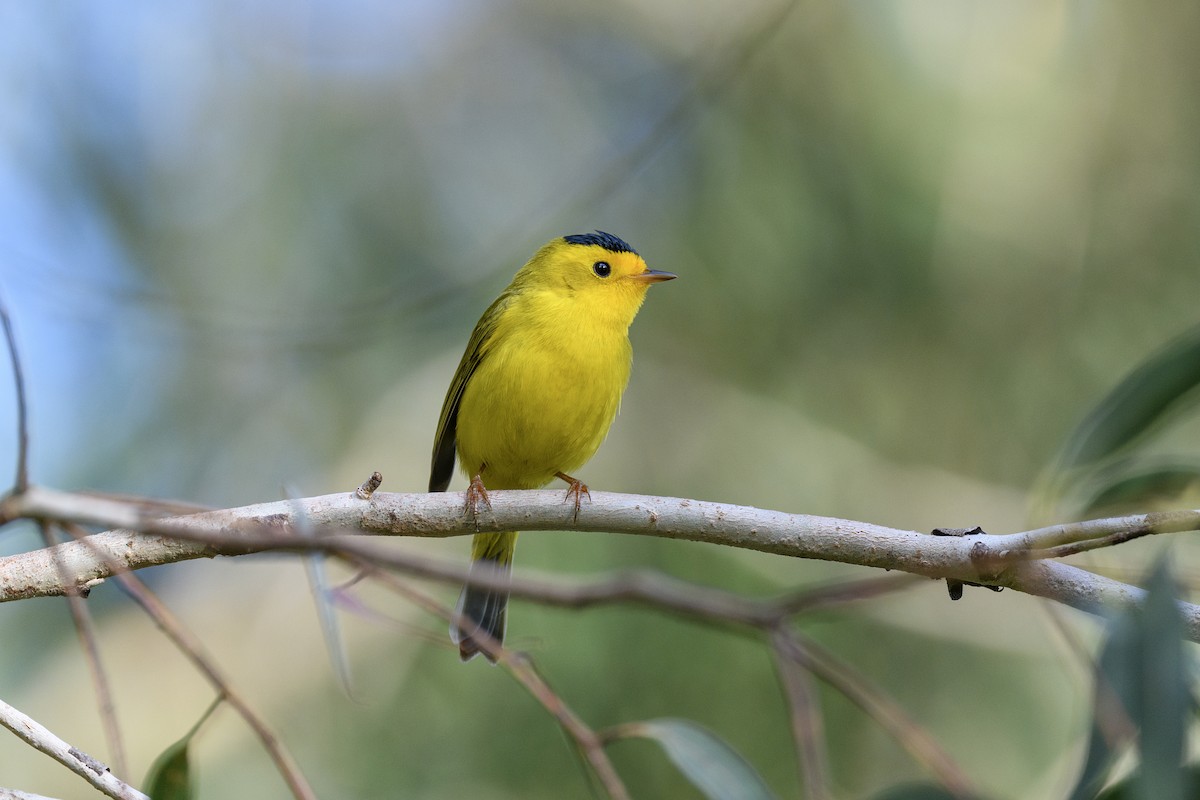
(536, 392)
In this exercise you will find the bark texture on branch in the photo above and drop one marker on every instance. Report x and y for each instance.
(135, 540)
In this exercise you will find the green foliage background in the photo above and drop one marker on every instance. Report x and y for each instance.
(246, 244)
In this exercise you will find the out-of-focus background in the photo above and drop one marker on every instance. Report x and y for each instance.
(244, 245)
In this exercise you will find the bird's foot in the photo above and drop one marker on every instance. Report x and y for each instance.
(475, 494)
(575, 490)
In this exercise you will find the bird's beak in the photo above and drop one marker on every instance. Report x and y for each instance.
(653, 276)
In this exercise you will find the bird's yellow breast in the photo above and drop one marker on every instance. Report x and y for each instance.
(546, 392)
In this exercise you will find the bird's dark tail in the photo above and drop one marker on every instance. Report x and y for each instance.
(481, 608)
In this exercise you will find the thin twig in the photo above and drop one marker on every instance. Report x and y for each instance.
(1109, 714)
(13, 794)
(41, 738)
(194, 651)
(151, 507)
(713, 72)
(85, 628)
(1075, 651)
(521, 667)
(808, 729)
(838, 593)
(21, 480)
(1044, 540)
(1072, 548)
(590, 744)
(879, 706)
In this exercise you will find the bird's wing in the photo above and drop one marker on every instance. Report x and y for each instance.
(442, 467)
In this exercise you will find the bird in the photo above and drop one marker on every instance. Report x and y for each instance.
(534, 396)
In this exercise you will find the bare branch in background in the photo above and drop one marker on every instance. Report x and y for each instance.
(191, 648)
(879, 706)
(21, 480)
(808, 727)
(521, 667)
(85, 628)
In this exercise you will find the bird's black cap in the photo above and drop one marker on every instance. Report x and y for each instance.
(613, 244)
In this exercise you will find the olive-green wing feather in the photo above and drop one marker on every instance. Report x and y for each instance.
(442, 467)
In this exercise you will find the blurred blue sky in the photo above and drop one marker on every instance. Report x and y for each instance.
(132, 82)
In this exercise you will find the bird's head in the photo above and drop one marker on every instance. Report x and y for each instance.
(598, 269)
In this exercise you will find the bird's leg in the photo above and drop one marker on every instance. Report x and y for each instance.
(576, 489)
(475, 493)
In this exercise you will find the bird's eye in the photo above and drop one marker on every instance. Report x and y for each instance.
(602, 268)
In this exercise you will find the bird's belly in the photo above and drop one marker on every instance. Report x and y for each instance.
(529, 412)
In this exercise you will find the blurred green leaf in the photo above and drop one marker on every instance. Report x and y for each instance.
(1139, 485)
(1126, 789)
(713, 767)
(1155, 387)
(915, 791)
(1141, 690)
(169, 777)
(1165, 695)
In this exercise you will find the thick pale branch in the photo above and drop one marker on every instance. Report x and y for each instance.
(1000, 560)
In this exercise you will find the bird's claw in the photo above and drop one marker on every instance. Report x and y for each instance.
(476, 493)
(575, 491)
